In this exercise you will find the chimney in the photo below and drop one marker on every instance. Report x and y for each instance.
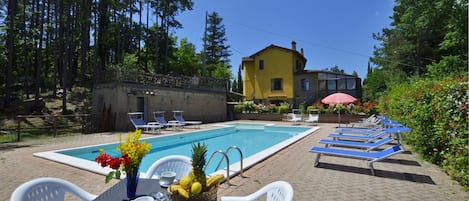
(302, 52)
(293, 45)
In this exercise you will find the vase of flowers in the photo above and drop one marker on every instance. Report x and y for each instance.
(132, 151)
(132, 183)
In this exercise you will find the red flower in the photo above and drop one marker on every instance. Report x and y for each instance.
(126, 160)
(103, 159)
(115, 163)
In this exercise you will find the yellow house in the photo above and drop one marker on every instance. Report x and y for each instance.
(269, 74)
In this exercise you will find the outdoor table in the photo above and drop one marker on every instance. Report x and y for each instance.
(175, 124)
(119, 191)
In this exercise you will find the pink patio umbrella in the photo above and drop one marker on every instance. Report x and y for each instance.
(338, 98)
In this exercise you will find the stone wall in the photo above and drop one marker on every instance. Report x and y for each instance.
(122, 98)
(323, 118)
(344, 118)
(260, 116)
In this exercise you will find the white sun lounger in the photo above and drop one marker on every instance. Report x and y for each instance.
(178, 116)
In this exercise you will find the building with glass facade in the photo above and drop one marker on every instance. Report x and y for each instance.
(277, 74)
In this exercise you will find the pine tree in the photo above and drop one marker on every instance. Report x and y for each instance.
(240, 80)
(216, 50)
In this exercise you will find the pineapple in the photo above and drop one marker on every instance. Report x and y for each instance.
(199, 153)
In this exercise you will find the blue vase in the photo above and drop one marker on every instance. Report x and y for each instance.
(132, 183)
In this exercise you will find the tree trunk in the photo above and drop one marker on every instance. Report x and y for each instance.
(157, 61)
(66, 51)
(102, 33)
(25, 51)
(85, 37)
(12, 7)
(129, 33)
(96, 49)
(139, 34)
(166, 50)
(37, 76)
(47, 48)
(147, 38)
(71, 44)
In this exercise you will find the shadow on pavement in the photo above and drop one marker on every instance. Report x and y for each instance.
(401, 161)
(5, 147)
(379, 173)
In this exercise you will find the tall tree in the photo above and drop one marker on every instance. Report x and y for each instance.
(186, 61)
(418, 30)
(217, 52)
(240, 80)
(103, 33)
(166, 11)
(12, 8)
(85, 23)
(37, 68)
(48, 44)
(417, 42)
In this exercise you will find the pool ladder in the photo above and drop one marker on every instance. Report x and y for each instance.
(225, 156)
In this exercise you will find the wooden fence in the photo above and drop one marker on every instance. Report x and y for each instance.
(14, 129)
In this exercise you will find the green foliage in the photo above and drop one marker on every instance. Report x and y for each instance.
(261, 108)
(448, 66)
(312, 108)
(249, 106)
(437, 113)
(186, 61)
(408, 50)
(303, 107)
(285, 104)
(131, 62)
(283, 109)
(217, 52)
(222, 72)
(238, 108)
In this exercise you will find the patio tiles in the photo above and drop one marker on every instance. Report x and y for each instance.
(402, 177)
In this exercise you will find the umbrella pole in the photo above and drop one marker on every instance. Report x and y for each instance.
(339, 116)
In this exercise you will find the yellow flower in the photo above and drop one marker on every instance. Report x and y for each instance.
(132, 152)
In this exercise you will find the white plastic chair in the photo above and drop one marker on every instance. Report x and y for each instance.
(313, 117)
(295, 116)
(47, 188)
(275, 191)
(182, 165)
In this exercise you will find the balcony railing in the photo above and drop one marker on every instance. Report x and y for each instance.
(159, 80)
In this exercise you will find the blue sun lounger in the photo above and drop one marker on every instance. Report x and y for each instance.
(371, 157)
(358, 130)
(136, 118)
(366, 138)
(366, 132)
(365, 145)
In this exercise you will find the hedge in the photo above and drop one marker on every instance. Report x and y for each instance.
(437, 112)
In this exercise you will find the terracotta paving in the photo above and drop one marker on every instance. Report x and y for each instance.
(402, 177)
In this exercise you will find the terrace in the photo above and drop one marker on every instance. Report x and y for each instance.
(402, 177)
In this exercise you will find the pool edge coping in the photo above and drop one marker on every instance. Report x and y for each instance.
(248, 162)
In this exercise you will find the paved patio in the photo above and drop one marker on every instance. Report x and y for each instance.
(402, 177)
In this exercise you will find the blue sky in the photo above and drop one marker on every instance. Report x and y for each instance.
(331, 32)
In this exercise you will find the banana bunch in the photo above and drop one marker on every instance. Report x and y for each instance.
(188, 185)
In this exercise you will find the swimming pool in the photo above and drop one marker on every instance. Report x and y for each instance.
(256, 141)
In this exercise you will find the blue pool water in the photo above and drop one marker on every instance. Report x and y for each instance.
(250, 138)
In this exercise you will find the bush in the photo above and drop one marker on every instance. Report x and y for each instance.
(272, 108)
(261, 108)
(283, 109)
(437, 113)
(313, 108)
(303, 107)
(238, 108)
(249, 106)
